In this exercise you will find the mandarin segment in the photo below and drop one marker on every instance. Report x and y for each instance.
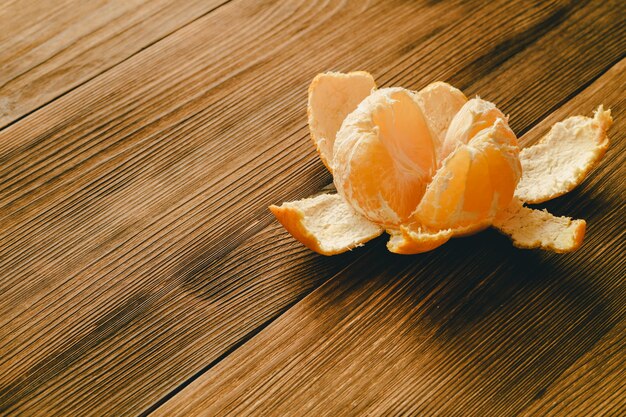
(479, 192)
(504, 171)
(444, 195)
(476, 115)
(402, 130)
(384, 156)
(462, 193)
(440, 102)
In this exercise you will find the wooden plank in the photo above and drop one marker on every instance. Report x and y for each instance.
(123, 201)
(48, 48)
(474, 328)
(595, 385)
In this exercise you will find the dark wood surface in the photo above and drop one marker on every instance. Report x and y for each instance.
(474, 328)
(140, 270)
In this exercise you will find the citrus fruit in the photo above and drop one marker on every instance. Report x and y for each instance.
(431, 165)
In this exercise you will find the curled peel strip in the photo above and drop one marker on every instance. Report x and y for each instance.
(562, 159)
(332, 96)
(529, 229)
(326, 224)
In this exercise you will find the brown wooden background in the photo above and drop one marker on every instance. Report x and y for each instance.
(141, 272)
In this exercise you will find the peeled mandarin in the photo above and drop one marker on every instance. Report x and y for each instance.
(430, 165)
(387, 163)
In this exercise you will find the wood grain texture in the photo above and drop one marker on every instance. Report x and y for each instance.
(595, 385)
(49, 47)
(476, 328)
(136, 248)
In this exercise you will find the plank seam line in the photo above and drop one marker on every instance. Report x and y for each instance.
(89, 79)
(65, 48)
(157, 404)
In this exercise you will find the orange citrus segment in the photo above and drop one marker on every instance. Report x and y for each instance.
(332, 96)
(504, 173)
(384, 156)
(530, 229)
(443, 198)
(475, 116)
(561, 160)
(474, 182)
(325, 224)
(478, 204)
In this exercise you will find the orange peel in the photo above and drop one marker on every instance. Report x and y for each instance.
(408, 242)
(332, 96)
(431, 165)
(562, 159)
(326, 224)
(529, 229)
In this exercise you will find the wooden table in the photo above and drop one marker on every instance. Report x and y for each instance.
(141, 272)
